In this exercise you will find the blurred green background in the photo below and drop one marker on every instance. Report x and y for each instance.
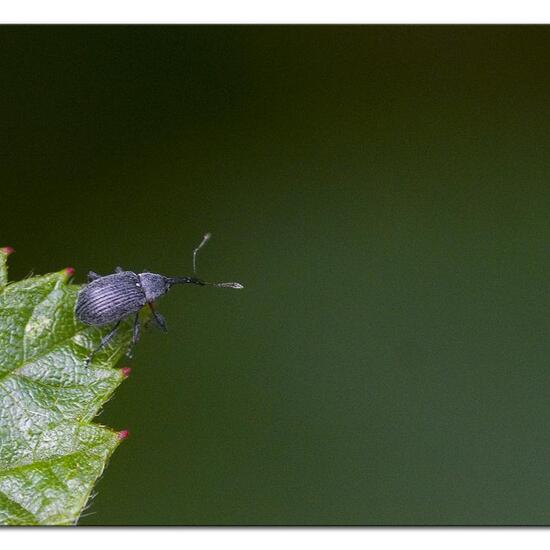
(383, 192)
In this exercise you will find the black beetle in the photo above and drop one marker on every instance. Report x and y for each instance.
(112, 298)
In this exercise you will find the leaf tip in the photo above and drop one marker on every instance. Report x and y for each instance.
(126, 371)
(123, 434)
(69, 272)
(7, 250)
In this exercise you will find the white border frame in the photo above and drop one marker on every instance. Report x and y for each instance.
(282, 11)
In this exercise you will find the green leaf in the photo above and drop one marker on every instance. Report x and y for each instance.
(50, 453)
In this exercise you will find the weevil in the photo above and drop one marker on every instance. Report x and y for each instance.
(110, 299)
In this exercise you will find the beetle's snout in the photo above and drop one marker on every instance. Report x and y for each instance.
(185, 280)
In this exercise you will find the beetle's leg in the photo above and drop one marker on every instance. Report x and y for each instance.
(159, 319)
(135, 339)
(92, 276)
(104, 341)
(137, 330)
(118, 269)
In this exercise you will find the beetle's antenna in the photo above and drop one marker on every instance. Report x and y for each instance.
(194, 280)
(237, 286)
(205, 239)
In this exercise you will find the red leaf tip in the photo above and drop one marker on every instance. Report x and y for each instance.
(70, 271)
(7, 250)
(123, 434)
(126, 371)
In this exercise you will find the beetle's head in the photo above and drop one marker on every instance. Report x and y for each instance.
(154, 285)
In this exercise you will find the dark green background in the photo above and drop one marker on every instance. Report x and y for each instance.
(383, 192)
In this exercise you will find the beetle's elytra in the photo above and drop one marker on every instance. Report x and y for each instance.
(110, 299)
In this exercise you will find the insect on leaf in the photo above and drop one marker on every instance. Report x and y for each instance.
(51, 454)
